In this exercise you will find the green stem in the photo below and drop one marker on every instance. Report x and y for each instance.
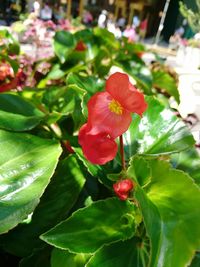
(122, 152)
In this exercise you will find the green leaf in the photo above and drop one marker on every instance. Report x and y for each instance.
(16, 114)
(64, 44)
(170, 206)
(56, 202)
(40, 258)
(196, 260)
(188, 161)
(88, 83)
(55, 73)
(66, 259)
(164, 82)
(88, 229)
(106, 37)
(129, 253)
(159, 132)
(25, 171)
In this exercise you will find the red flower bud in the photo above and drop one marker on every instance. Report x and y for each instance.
(122, 188)
(80, 46)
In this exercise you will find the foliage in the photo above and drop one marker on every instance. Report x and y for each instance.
(59, 209)
(191, 15)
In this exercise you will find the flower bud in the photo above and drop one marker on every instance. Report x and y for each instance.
(122, 188)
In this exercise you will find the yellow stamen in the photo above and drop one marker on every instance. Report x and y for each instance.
(115, 107)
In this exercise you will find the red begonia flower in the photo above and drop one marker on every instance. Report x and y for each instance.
(80, 46)
(123, 188)
(103, 119)
(99, 148)
(110, 111)
(120, 88)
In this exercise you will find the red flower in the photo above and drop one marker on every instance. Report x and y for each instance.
(14, 83)
(99, 148)
(110, 111)
(123, 188)
(80, 46)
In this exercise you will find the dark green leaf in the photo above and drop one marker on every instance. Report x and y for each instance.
(64, 43)
(127, 253)
(54, 206)
(26, 166)
(40, 258)
(17, 114)
(159, 132)
(66, 259)
(170, 206)
(88, 229)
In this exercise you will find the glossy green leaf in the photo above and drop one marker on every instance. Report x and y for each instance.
(17, 114)
(63, 43)
(26, 166)
(127, 253)
(159, 132)
(88, 229)
(188, 161)
(95, 170)
(56, 202)
(66, 259)
(170, 206)
(164, 82)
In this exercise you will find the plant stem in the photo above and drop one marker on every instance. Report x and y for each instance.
(122, 152)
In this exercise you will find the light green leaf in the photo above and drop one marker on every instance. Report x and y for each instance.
(66, 259)
(170, 206)
(26, 166)
(127, 253)
(158, 132)
(56, 202)
(17, 114)
(88, 229)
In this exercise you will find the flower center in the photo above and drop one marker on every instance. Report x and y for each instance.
(115, 107)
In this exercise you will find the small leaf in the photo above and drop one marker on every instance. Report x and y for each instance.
(25, 171)
(17, 114)
(88, 229)
(63, 43)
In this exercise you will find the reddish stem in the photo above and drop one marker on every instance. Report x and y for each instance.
(122, 152)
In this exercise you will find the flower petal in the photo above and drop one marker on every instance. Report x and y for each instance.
(102, 119)
(98, 149)
(120, 88)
